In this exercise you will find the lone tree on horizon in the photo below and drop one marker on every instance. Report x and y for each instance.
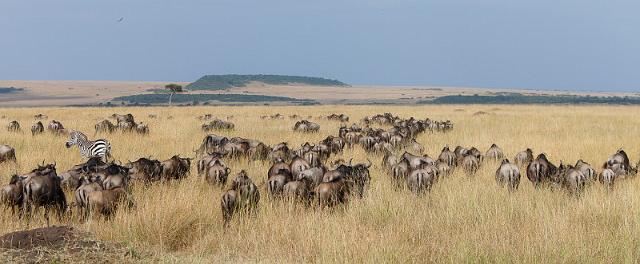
(173, 88)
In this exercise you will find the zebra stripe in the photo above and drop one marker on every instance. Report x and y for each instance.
(89, 149)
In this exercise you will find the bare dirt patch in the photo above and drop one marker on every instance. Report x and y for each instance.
(59, 244)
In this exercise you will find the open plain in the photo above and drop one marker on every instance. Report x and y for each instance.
(463, 219)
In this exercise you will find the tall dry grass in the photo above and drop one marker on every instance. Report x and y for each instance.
(463, 219)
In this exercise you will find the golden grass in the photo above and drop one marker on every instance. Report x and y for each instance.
(463, 219)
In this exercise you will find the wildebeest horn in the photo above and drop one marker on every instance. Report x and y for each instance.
(368, 165)
(351, 159)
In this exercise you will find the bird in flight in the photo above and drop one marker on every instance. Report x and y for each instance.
(120, 20)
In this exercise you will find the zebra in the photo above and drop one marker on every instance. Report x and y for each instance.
(89, 149)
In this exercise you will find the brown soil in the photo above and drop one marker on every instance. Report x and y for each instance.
(59, 244)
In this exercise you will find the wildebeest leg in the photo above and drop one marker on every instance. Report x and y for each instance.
(46, 214)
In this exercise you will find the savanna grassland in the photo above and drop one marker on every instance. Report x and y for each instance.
(463, 219)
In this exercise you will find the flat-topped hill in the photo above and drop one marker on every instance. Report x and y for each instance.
(221, 82)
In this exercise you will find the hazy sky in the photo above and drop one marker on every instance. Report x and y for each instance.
(547, 44)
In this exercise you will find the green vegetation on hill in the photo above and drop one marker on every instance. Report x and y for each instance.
(6, 90)
(227, 98)
(516, 98)
(221, 82)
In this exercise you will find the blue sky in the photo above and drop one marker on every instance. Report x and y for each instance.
(543, 44)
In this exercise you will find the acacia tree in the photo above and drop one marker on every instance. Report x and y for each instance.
(173, 89)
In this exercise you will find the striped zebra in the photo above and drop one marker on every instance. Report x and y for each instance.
(89, 149)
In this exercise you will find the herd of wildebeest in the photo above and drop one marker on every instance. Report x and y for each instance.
(304, 175)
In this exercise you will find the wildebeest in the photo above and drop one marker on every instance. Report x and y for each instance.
(494, 152)
(447, 156)
(508, 174)
(142, 128)
(417, 162)
(13, 126)
(540, 170)
(443, 168)
(298, 190)
(217, 124)
(608, 178)
(11, 195)
(298, 165)
(421, 180)
(106, 201)
(242, 196)
(105, 126)
(470, 164)
(399, 173)
(85, 186)
(523, 157)
(571, 179)
(56, 127)
(40, 116)
(587, 170)
(338, 117)
(7, 153)
(205, 161)
(333, 192)
(37, 128)
(306, 126)
(145, 170)
(217, 173)
(621, 159)
(42, 189)
(175, 168)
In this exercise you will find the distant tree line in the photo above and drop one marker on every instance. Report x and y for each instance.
(516, 98)
(6, 90)
(221, 82)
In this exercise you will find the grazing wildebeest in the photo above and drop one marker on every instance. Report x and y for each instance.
(620, 157)
(56, 127)
(105, 126)
(417, 162)
(217, 173)
(277, 166)
(587, 170)
(443, 168)
(447, 156)
(508, 174)
(571, 179)
(608, 178)
(315, 175)
(217, 124)
(306, 126)
(421, 180)
(37, 128)
(43, 190)
(333, 192)
(11, 195)
(460, 152)
(298, 165)
(389, 160)
(7, 153)
(85, 186)
(106, 202)
(523, 157)
(204, 162)
(275, 184)
(242, 196)
(145, 170)
(13, 126)
(470, 164)
(40, 116)
(298, 190)
(175, 168)
(142, 129)
(540, 170)
(399, 173)
(494, 152)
